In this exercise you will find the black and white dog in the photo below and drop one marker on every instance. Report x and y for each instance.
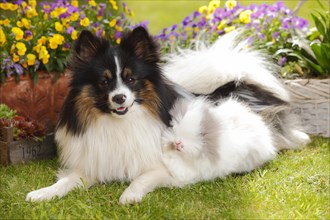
(120, 99)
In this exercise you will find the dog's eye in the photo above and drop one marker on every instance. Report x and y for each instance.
(105, 82)
(130, 79)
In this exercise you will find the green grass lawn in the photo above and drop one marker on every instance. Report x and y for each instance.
(164, 13)
(295, 185)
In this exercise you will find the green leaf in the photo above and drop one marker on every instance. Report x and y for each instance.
(321, 5)
(60, 65)
(317, 68)
(326, 20)
(323, 18)
(35, 78)
(321, 54)
(3, 77)
(314, 35)
(316, 49)
(47, 67)
(318, 24)
(325, 58)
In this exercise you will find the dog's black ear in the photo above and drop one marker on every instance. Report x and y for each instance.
(140, 44)
(85, 47)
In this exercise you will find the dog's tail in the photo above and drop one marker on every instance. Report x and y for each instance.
(285, 127)
(204, 69)
(230, 68)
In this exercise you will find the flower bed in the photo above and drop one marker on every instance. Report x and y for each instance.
(40, 35)
(271, 27)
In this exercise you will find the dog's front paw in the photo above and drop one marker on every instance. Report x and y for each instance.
(39, 195)
(130, 196)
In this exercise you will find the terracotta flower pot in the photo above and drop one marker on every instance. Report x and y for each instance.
(42, 101)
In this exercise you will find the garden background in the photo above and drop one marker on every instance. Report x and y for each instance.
(161, 14)
(293, 186)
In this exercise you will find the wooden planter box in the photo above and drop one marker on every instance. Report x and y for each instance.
(311, 101)
(22, 151)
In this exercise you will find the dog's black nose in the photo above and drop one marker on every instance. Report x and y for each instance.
(119, 99)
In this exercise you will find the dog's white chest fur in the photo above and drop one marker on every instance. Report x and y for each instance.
(113, 148)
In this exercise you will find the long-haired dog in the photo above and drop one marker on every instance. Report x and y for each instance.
(120, 99)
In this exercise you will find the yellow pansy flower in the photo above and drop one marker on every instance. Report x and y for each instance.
(58, 26)
(4, 6)
(3, 39)
(56, 40)
(53, 44)
(213, 5)
(12, 49)
(58, 11)
(74, 16)
(44, 55)
(119, 29)
(74, 35)
(6, 22)
(32, 3)
(222, 24)
(244, 16)
(21, 48)
(37, 48)
(29, 36)
(15, 58)
(103, 33)
(118, 41)
(113, 4)
(26, 23)
(202, 9)
(113, 22)
(19, 34)
(13, 7)
(66, 22)
(129, 12)
(19, 24)
(92, 3)
(31, 12)
(59, 38)
(42, 40)
(31, 58)
(84, 22)
(231, 4)
(46, 7)
(8, 6)
(75, 3)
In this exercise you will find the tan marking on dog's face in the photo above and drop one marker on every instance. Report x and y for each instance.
(127, 73)
(107, 74)
(86, 109)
